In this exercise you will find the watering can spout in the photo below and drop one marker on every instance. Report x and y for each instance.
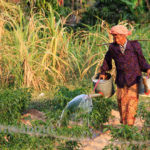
(95, 95)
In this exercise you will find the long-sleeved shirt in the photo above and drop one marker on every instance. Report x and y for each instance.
(129, 64)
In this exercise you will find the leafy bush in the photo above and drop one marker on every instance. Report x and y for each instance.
(101, 111)
(126, 132)
(64, 95)
(18, 141)
(12, 103)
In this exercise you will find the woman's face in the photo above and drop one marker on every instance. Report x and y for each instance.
(119, 39)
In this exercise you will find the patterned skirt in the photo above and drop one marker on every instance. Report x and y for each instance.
(127, 98)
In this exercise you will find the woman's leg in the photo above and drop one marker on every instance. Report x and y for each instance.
(122, 103)
(132, 104)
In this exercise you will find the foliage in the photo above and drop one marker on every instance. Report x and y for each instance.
(126, 132)
(38, 50)
(64, 95)
(17, 141)
(113, 11)
(101, 106)
(44, 5)
(142, 112)
(125, 146)
(138, 9)
(53, 109)
(101, 111)
(13, 103)
(69, 145)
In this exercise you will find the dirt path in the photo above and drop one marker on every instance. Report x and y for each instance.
(103, 139)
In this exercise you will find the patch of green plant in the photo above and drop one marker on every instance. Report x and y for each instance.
(13, 103)
(63, 95)
(53, 107)
(147, 119)
(146, 129)
(101, 111)
(111, 147)
(69, 145)
(142, 112)
(145, 115)
(126, 132)
(130, 138)
(17, 141)
(125, 146)
(75, 131)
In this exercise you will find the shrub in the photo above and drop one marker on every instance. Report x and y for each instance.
(101, 111)
(12, 103)
(64, 95)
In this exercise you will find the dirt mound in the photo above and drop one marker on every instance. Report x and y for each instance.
(34, 115)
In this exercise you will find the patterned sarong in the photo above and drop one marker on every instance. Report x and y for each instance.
(127, 98)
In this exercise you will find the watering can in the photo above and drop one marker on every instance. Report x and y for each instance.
(104, 87)
(144, 85)
(83, 102)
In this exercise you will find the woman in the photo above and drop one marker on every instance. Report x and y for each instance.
(130, 62)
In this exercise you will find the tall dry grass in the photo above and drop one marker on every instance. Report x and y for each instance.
(32, 47)
(39, 52)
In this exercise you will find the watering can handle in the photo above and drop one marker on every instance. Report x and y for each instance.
(96, 86)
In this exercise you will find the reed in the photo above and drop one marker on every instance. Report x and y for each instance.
(39, 52)
(32, 47)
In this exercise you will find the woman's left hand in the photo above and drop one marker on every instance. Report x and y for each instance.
(148, 73)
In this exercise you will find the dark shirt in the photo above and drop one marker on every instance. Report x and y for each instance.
(128, 65)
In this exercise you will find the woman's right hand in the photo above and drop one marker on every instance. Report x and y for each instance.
(102, 76)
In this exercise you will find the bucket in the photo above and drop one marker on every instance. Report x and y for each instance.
(104, 87)
(144, 85)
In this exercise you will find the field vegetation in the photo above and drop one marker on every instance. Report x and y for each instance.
(40, 51)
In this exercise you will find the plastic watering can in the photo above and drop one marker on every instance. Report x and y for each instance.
(144, 85)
